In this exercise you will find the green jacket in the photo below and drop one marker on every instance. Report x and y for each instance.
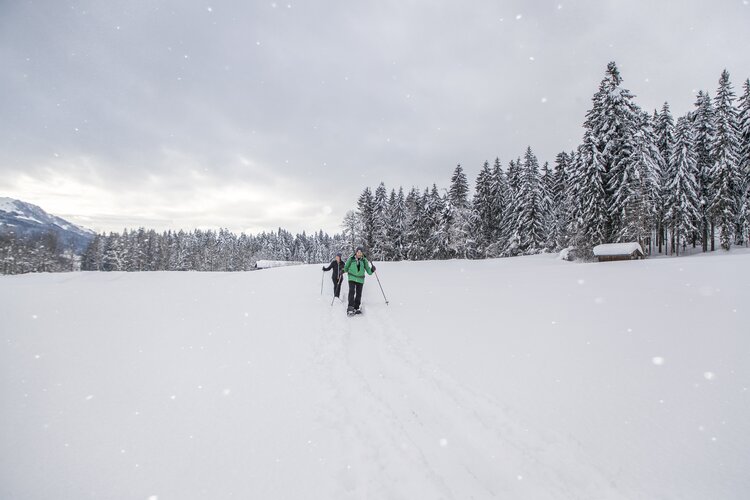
(356, 270)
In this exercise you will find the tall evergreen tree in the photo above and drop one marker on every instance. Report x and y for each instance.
(703, 121)
(352, 231)
(484, 208)
(562, 200)
(726, 170)
(500, 190)
(458, 194)
(397, 225)
(511, 237)
(664, 132)
(548, 208)
(744, 137)
(380, 243)
(530, 218)
(682, 199)
(591, 209)
(366, 214)
(613, 122)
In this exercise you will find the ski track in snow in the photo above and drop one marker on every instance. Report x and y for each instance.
(420, 433)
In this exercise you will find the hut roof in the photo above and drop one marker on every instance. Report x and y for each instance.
(609, 249)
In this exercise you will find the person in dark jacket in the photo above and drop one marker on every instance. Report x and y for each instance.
(355, 267)
(337, 265)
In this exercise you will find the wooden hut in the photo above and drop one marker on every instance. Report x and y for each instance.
(618, 251)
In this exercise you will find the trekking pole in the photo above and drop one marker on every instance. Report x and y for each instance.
(321, 282)
(334, 297)
(381, 287)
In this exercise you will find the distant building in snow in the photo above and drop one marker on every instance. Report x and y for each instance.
(618, 251)
(267, 264)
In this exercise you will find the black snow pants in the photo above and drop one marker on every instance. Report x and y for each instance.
(355, 294)
(336, 286)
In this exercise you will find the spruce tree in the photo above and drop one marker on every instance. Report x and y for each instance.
(744, 138)
(366, 213)
(613, 123)
(511, 237)
(703, 121)
(726, 170)
(351, 227)
(380, 243)
(484, 208)
(591, 209)
(562, 200)
(682, 191)
(500, 201)
(458, 194)
(397, 224)
(664, 132)
(529, 220)
(548, 208)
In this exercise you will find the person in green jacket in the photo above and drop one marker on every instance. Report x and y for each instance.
(355, 268)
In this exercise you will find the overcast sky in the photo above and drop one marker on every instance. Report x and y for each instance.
(252, 115)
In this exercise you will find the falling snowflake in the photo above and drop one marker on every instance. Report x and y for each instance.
(443, 442)
(709, 375)
(657, 360)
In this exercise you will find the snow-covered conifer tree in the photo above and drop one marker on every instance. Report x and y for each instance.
(530, 217)
(366, 213)
(397, 224)
(591, 210)
(380, 244)
(726, 169)
(703, 120)
(547, 184)
(562, 200)
(663, 125)
(682, 191)
(484, 208)
(744, 138)
(500, 190)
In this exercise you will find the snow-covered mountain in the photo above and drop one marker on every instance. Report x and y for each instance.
(25, 219)
(529, 378)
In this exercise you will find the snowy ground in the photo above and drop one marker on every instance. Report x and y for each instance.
(525, 378)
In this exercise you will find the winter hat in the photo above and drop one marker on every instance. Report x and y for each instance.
(359, 249)
(338, 254)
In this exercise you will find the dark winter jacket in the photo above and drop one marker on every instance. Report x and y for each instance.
(338, 269)
(356, 269)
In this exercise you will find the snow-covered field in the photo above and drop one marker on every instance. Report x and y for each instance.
(524, 378)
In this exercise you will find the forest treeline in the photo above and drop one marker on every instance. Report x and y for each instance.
(636, 176)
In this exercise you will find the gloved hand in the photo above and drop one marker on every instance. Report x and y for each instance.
(324, 268)
(373, 268)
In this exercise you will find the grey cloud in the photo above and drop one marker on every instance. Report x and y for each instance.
(284, 98)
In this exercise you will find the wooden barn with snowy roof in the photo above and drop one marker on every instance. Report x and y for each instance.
(618, 251)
